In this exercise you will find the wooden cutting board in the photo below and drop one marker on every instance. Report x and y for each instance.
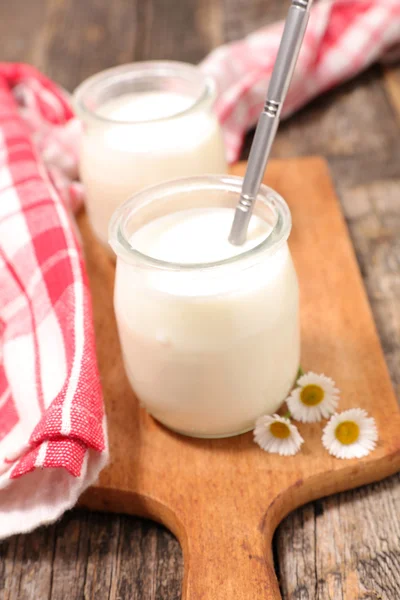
(224, 498)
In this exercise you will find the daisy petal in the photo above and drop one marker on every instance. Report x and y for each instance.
(350, 434)
(277, 435)
(314, 398)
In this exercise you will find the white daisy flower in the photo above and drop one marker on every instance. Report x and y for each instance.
(315, 398)
(350, 434)
(277, 435)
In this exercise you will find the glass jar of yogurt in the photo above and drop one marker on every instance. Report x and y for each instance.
(209, 331)
(144, 123)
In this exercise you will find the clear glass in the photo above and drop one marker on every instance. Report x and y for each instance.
(144, 123)
(208, 347)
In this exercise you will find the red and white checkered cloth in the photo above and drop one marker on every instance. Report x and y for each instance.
(342, 38)
(52, 426)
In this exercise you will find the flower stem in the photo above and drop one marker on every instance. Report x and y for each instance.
(300, 372)
(287, 415)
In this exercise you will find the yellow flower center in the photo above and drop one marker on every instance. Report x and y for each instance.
(312, 394)
(279, 430)
(347, 432)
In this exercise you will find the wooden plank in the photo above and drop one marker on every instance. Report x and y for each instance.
(82, 38)
(173, 32)
(76, 537)
(241, 18)
(21, 27)
(343, 547)
(356, 118)
(26, 565)
(92, 556)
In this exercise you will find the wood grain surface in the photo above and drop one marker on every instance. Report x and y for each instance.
(94, 556)
(224, 498)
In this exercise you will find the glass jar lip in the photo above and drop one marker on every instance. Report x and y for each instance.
(140, 69)
(275, 239)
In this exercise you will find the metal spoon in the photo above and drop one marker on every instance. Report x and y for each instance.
(268, 122)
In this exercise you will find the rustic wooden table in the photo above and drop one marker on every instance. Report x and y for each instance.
(346, 546)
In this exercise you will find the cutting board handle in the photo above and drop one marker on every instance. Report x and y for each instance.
(226, 557)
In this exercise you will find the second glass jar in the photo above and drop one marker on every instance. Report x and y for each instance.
(144, 123)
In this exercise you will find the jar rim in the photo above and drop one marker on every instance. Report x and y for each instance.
(278, 235)
(138, 70)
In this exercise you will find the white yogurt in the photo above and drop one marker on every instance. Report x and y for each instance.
(208, 350)
(147, 137)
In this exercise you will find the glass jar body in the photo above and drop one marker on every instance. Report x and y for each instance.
(153, 143)
(207, 348)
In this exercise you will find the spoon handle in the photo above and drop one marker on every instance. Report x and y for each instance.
(268, 122)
